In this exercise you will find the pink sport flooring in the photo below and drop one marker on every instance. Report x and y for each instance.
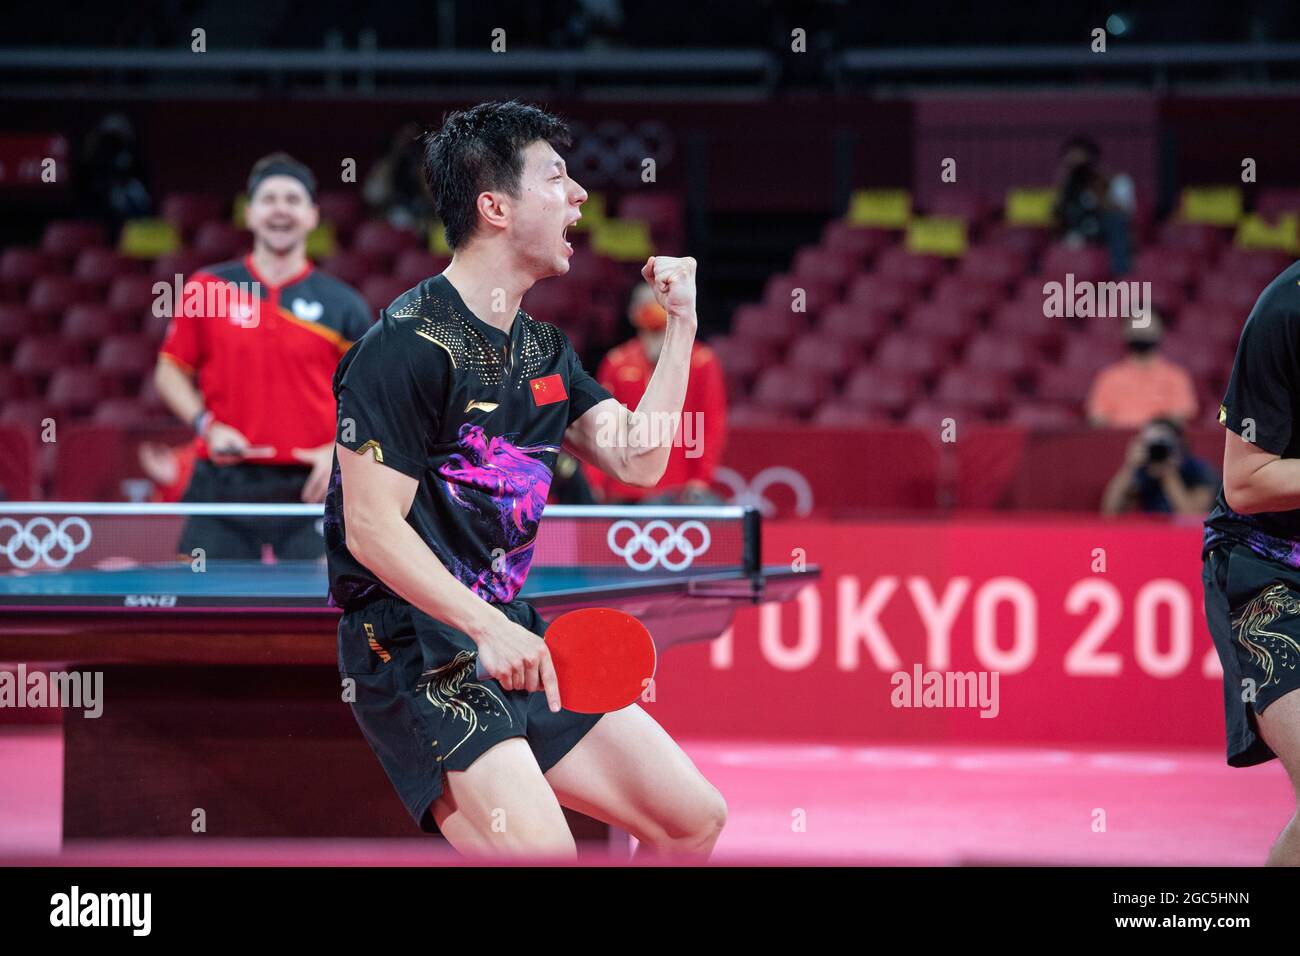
(837, 804)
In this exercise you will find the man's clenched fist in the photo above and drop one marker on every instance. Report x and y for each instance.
(673, 282)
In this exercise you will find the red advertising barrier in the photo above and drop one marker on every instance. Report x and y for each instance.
(1094, 629)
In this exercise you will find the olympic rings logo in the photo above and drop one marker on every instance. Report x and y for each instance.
(41, 540)
(659, 543)
(754, 493)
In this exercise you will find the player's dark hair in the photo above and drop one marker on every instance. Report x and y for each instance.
(1083, 142)
(281, 164)
(481, 149)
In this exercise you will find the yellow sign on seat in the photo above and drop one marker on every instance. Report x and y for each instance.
(936, 236)
(1255, 232)
(149, 238)
(593, 213)
(626, 240)
(438, 239)
(1030, 207)
(1211, 205)
(321, 242)
(880, 208)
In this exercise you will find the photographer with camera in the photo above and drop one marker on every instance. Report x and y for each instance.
(1160, 475)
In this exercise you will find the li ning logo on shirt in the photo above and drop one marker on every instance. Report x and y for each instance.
(307, 311)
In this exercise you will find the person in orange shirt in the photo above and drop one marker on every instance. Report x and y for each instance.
(1145, 385)
(697, 448)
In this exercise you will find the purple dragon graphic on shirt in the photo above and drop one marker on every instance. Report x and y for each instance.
(517, 485)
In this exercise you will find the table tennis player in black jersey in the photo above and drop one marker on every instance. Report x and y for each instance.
(452, 410)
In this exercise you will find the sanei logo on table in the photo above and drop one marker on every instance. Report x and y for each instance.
(75, 908)
(150, 600)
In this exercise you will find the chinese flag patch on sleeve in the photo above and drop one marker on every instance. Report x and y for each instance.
(547, 390)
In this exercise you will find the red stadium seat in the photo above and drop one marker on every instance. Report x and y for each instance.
(824, 357)
(1170, 263)
(883, 389)
(938, 321)
(1201, 357)
(65, 239)
(343, 209)
(845, 415)
(86, 324)
(1202, 239)
(980, 390)
(1025, 319)
(746, 415)
(1212, 321)
(908, 352)
(98, 267)
(126, 356)
(1003, 265)
(44, 354)
(122, 412)
(789, 391)
(349, 267)
(1044, 415)
(930, 416)
(1092, 351)
(998, 352)
(1086, 263)
(1229, 291)
(970, 295)
(380, 291)
(28, 413)
(742, 359)
(129, 296)
(785, 291)
(16, 322)
(1277, 201)
(1064, 385)
(956, 204)
(220, 241)
(860, 245)
(382, 241)
(416, 265)
(856, 326)
(188, 211)
(21, 266)
(881, 294)
(825, 268)
(919, 270)
(1027, 240)
(764, 324)
(185, 264)
(662, 211)
(12, 386)
(73, 391)
(52, 295)
(1261, 265)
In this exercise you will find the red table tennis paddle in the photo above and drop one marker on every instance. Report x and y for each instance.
(602, 659)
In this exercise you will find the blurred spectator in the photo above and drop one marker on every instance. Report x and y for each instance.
(395, 189)
(111, 175)
(1160, 476)
(1143, 386)
(697, 448)
(1093, 205)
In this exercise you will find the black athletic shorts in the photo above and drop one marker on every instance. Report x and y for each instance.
(422, 709)
(1252, 606)
(243, 538)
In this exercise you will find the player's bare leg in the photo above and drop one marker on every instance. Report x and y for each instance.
(502, 805)
(627, 772)
(1280, 728)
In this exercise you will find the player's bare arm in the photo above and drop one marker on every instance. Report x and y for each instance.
(609, 435)
(1255, 480)
(376, 500)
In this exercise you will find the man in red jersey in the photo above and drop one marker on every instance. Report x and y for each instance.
(626, 372)
(248, 362)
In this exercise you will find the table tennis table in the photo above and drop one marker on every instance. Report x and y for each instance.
(221, 690)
